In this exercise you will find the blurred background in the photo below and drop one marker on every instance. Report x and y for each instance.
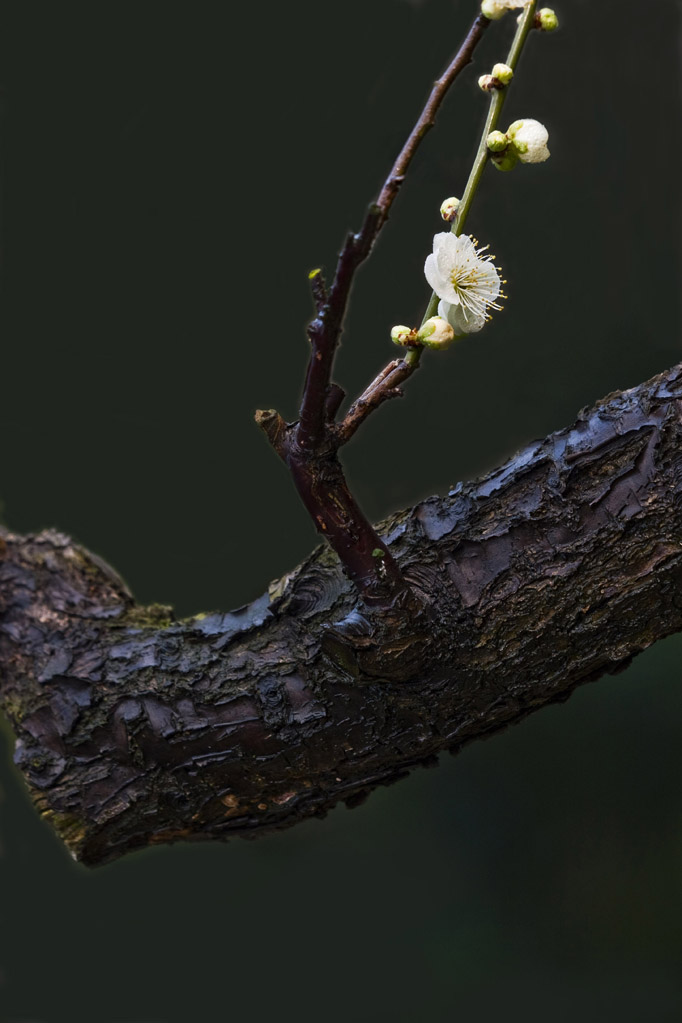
(171, 175)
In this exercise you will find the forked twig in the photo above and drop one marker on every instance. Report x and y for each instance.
(309, 447)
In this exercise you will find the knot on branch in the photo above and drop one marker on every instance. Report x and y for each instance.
(386, 644)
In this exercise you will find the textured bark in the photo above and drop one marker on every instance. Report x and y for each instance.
(133, 728)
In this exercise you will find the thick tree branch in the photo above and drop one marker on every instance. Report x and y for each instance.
(134, 729)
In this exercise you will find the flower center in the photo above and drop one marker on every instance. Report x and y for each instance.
(475, 281)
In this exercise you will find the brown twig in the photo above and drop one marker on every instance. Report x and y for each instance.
(428, 115)
(318, 287)
(384, 386)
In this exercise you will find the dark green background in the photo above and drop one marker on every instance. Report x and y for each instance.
(171, 175)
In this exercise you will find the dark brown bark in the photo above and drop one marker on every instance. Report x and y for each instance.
(321, 485)
(134, 729)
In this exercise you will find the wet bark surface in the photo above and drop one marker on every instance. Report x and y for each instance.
(134, 728)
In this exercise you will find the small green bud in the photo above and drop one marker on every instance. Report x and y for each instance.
(546, 20)
(503, 73)
(448, 209)
(507, 160)
(402, 335)
(492, 10)
(436, 333)
(378, 553)
(497, 141)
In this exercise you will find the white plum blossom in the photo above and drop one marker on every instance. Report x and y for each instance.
(465, 280)
(529, 139)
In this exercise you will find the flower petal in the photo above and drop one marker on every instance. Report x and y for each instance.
(458, 319)
(432, 274)
(531, 137)
(463, 278)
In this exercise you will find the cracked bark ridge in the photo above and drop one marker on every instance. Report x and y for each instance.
(134, 729)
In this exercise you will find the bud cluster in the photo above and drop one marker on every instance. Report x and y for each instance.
(525, 140)
(545, 19)
(500, 76)
(435, 332)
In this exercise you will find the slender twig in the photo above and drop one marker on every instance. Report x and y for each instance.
(428, 115)
(382, 388)
(318, 288)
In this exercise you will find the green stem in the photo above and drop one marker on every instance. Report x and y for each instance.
(497, 99)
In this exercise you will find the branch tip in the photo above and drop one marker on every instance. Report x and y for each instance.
(273, 426)
(318, 286)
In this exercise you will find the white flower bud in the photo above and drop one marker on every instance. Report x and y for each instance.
(546, 20)
(401, 335)
(497, 141)
(503, 72)
(488, 83)
(436, 333)
(529, 139)
(448, 209)
(494, 9)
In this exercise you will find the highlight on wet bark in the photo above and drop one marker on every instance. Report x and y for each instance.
(466, 286)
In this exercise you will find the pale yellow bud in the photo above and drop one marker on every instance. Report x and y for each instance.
(448, 209)
(497, 141)
(503, 72)
(488, 83)
(546, 20)
(436, 333)
(402, 335)
(492, 10)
